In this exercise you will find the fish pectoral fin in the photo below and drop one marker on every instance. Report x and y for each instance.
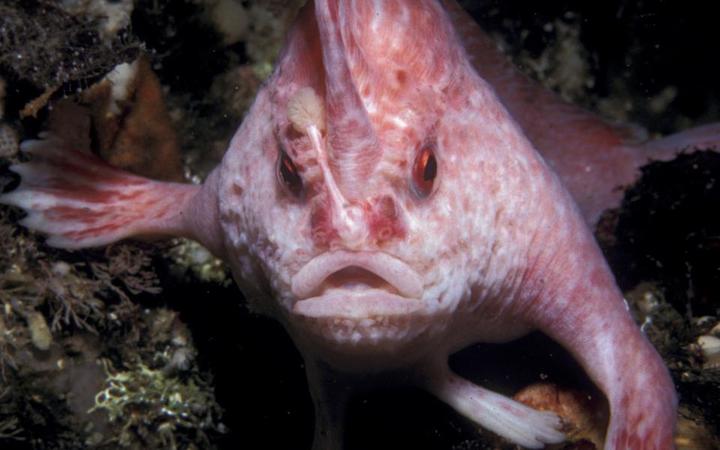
(79, 200)
(508, 418)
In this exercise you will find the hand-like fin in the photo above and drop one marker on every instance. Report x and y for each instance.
(78, 200)
(577, 303)
(510, 419)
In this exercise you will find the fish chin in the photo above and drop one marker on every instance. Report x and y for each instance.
(362, 327)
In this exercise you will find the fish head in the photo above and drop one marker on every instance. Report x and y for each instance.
(347, 189)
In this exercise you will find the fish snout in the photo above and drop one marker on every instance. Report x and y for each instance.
(352, 226)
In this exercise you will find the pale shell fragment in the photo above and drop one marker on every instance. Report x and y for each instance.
(710, 349)
(40, 334)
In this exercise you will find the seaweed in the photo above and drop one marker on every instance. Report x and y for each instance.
(47, 47)
(153, 406)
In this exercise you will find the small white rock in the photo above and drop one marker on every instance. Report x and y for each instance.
(710, 348)
(40, 334)
(231, 20)
(60, 268)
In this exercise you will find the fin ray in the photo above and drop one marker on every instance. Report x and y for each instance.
(79, 200)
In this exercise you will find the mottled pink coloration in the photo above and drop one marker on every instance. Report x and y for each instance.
(593, 158)
(384, 221)
(367, 272)
(81, 201)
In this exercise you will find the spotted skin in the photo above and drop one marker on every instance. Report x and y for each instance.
(370, 274)
(595, 159)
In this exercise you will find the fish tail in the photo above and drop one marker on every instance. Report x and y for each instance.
(704, 137)
(79, 200)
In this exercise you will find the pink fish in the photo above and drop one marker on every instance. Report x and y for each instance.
(396, 193)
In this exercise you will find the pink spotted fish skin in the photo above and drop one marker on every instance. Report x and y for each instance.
(368, 272)
(593, 157)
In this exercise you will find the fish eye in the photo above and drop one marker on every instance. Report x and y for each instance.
(424, 171)
(288, 174)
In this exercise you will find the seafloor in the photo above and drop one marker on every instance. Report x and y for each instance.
(150, 345)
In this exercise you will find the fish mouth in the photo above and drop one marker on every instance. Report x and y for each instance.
(345, 284)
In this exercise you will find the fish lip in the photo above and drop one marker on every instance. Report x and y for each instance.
(309, 279)
(370, 304)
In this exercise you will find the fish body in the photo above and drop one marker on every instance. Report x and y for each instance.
(389, 206)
